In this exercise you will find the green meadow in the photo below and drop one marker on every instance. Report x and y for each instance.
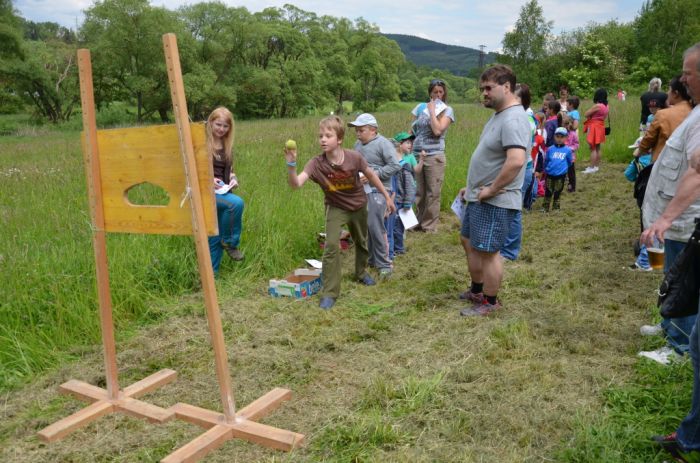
(391, 374)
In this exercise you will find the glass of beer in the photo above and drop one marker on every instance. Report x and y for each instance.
(656, 255)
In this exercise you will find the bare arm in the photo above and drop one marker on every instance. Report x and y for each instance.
(440, 123)
(594, 109)
(687, 192)
(515, 159)
(295, 181)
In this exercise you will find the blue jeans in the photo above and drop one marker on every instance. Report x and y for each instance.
(677, 329)
(643, 257)
(511, 248)
(229, 213)
(689, 429)
(398, 235)
(389, 224)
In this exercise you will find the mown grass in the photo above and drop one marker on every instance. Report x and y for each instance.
(391, 374)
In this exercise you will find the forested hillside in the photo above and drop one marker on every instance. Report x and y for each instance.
(461, 61)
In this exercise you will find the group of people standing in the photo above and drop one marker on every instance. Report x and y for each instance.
(362, 192)
(670, 206)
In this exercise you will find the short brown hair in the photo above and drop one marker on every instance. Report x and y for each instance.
(335, 124)
(500, 73)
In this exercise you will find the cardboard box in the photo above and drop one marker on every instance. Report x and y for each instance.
(300, 284)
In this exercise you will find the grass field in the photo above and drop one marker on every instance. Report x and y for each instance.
(391, 374)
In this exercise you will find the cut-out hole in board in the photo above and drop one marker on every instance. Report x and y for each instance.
(147, 194)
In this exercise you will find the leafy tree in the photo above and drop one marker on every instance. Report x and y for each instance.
(664, 29)
(126, 39)
(526, 43)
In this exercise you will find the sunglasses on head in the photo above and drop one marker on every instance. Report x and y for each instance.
(435, 82)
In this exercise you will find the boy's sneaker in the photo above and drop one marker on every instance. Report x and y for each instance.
(651, 330)
(671, 445)
(482, 309)
(663, 355)
(639, 268)
(367, 280)
(468, 295)
(384, 273)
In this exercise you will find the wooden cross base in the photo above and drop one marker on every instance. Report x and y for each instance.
(242, 426)
(102, 404)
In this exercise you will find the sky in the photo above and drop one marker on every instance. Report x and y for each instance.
(467, 23)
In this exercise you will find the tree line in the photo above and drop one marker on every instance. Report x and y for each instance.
(286, 62)
(280, 62)
(609, 55)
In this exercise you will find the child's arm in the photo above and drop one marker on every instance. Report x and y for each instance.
(376, 183)
(592, 111)
(295, 181)
(574, 141)
(419, 167)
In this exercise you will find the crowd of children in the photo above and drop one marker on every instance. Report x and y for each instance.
(554, 149)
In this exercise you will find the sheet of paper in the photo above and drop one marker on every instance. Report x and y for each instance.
(408, 218)
(314, 263)
(439, 107)
(458, 207)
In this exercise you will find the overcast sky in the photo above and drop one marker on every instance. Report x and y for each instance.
(468, 23)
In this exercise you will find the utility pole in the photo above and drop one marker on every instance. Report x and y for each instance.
(482, 56)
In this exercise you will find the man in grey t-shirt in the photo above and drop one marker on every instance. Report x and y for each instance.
(496, 173)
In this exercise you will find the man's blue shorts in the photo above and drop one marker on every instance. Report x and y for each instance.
(486, 226)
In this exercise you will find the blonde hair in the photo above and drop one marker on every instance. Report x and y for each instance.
(225, 114)
(335, 124)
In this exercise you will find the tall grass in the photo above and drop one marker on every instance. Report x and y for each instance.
(47, 296)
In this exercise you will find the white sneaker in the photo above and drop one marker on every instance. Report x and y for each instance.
(588, 170)
(595, 169)
(651, 330)
(663, 355)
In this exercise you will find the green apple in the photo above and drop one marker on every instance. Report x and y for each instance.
(290, 145)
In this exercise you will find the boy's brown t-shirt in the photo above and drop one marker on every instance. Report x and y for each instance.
(340, 184)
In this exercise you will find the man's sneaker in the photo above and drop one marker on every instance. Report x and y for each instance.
(482, 309)
(651, 330)
(468, 295)
(671, 445)
(367, 280)
(326, 302)
(664, 355)
(235, 254)
(638, 268)
(384, 273)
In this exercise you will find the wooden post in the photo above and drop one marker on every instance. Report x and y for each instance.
(112, 399)
(220, 428)
(99, 239)
(206, 271)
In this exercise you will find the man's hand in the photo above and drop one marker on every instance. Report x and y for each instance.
(463, 194)
(655, 231)
(487, 192)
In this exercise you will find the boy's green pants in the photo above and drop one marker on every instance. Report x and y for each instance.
(332, 268)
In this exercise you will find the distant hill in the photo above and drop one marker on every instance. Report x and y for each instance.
(458, 60)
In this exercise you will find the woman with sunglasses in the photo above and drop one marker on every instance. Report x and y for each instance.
(431, 121)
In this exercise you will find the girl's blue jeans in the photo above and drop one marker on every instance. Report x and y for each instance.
(229, 213)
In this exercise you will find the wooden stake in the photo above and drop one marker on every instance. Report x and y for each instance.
(221, 428)
(111, 399)
(206, 271)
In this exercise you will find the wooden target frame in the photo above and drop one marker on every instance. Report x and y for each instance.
(174, 158)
